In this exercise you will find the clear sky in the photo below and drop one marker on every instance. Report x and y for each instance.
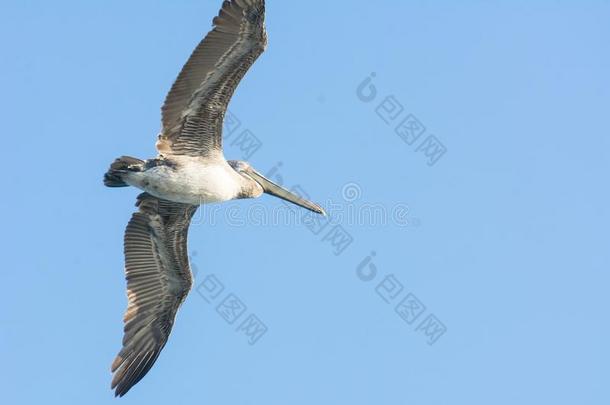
(477, 132)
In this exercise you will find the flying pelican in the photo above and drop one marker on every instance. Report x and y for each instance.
(189, 170)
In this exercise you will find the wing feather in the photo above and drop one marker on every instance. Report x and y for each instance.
(158, 280)
(194, 108)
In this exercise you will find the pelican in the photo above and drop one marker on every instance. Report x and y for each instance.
(189, 170)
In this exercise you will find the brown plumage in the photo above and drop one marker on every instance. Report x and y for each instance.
(156, 261)
(194, 108)
(158, 280)
(190, 170)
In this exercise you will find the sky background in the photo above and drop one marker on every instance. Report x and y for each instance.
(500, 243)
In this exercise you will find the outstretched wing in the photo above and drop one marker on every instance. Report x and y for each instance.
(194, 109)
(158, 279)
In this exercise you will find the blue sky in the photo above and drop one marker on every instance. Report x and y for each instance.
(500, 243)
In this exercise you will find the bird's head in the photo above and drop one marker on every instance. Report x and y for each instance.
(259, 184)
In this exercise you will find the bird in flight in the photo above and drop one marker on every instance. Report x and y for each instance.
(189, 170)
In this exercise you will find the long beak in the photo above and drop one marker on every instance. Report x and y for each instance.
(270, 187)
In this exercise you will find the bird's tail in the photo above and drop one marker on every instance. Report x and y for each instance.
(122, 165)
